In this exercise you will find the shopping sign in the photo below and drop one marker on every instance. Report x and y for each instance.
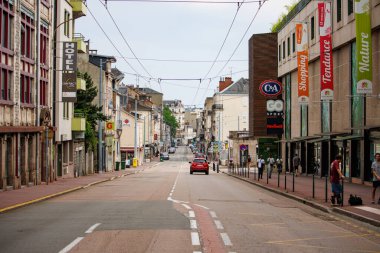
(110, 125)
(326, 58)
(303, 63)
(363, 47)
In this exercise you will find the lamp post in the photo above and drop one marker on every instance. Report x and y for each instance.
(135, 148)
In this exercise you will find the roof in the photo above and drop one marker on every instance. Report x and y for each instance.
(149, 91)
(117, 74)
(239, 87)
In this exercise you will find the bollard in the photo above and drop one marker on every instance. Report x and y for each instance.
(341, 204)
(326, 190)
(313, 186)
(285, 180)
(278, 179)
(213, 166)
(267, 175)
(293, 180)
(217, 168)
(248, 171)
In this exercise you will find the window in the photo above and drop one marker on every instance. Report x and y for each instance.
(6, 19)
(279, 53)
(312, 28)
(44, 41)
(44, 70)
(66, 29)
(27, 35)
(6, 81)
(65, 110)
(338, 11)
(26, 83)
(294, 41)
(350, 7)
(288, 46)
(283, 50)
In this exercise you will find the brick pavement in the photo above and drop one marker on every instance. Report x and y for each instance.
(303, 191)
(27, 195)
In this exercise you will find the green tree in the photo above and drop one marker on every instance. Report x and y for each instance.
(171, 121)
(91, 112)
(276, 26)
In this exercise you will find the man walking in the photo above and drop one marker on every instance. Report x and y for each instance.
(270, 161)
(376, 176)
(260, 166)
(296, 163)
(335, 176)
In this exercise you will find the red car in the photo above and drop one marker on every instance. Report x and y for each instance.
(199, 165)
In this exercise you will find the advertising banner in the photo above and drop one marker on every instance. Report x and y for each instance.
(69, 87)
(326, 57)
(363, 47)
(303, 63)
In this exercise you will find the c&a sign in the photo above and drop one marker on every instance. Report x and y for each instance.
(270, 88)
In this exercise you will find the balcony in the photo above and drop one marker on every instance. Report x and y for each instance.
(217, 107)
(78, 123)
(81, 84)
(81, 45)
(79, 8)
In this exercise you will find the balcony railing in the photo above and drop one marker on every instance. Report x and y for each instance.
(79, 8)
(81, 45)
(78, 123)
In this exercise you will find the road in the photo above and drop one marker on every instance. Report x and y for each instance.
(165, 209)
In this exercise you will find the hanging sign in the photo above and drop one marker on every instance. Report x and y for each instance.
(326, 58)
(363, 47)
(270, 88)
(303, 63)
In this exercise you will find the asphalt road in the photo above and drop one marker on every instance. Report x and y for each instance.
(165, 209)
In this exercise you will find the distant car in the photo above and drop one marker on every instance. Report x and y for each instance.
(164, 156)
(200, 155)
(199, 165)
(172, 150)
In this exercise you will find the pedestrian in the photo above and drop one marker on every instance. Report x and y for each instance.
(376, 176)
(270, 162)
(296, 163)
(260, 166)
(279, 165)
(335, 176)
(249, 160)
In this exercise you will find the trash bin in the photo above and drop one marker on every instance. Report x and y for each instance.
(135, 160)
(117, 166)
(122, 165)
(127, 163)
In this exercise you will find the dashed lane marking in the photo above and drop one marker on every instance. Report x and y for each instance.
(226, 239)
(92, 228)
(213, 214)
(191, 214)
(218, 224)
(71, 245)
(193, 224)
(195, 239)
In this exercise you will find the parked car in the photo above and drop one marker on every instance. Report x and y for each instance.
(164, 156)
(199, 165)
(171, 150)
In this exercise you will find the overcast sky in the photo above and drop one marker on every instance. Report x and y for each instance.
(178, 41)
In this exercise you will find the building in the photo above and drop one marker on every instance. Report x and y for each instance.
(349, 123)
(178, 111)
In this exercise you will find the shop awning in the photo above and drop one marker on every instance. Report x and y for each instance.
(325, 138)
(349, 137)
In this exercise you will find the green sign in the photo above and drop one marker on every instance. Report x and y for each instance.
(363, 46)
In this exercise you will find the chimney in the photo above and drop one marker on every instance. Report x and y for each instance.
(225, 83)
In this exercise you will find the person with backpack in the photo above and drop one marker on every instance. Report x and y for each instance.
(270, 162)
(335, 177)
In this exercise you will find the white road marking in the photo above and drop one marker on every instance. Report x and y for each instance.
(226, 239)
(193, 224)
(203, 207)
(213, 214)
(197, 251)
(218, 224)
(195, 238)
(186, 206)
(369, 209)
(71, 245)
(191, 214)
(92, 228)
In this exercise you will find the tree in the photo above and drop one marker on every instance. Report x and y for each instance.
(171, 121)
(91, 112)
(275, 27)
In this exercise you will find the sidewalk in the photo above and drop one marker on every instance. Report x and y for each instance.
(28, 195)
(303, 192)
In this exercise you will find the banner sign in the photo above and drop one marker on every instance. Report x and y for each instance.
(363, 47)
(69, 87)
(275, 126)
(303, 63)
(275, 107)
(326, 57)
(69, 56)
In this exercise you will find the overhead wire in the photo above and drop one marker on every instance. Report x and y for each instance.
(184, 1)
(180, 60)
(238, 45)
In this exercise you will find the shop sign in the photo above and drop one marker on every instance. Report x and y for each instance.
(69, 87)
(275, 107)
(303, 63)
(275, 126)
(110, 125)
(270, 88)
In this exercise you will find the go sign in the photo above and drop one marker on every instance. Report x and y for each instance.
(270, 88)
(275, 105)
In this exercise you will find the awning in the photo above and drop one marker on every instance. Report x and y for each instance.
(127, 148)
(349, 137)
(319, 140)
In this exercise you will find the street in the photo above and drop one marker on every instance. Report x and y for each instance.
(165, 209)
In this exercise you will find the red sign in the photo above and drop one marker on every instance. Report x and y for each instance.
(126, 121)
(155, 137)
(326, 58)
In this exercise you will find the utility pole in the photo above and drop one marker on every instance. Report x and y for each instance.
(144, 142)
(135, 150)
(100, 127)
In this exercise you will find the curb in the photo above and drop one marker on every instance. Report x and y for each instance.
(9, 208)
(313, 204)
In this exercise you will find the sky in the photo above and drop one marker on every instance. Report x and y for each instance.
(176, 41)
